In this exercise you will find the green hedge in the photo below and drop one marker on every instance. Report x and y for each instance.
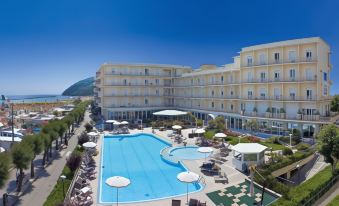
(299, 195)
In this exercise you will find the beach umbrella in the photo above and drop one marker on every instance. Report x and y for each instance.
(177, 127)
(205, 150)
(188, 177)
(124, 122)
(199, 131)
(110, 121)
(116, 123)
(2, 149)
(89, 145)
(220, 135)
(118, 182)
(92, 134)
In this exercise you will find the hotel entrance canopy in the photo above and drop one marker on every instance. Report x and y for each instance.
(169, 113)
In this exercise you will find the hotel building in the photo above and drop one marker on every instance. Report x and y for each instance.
(282, 85)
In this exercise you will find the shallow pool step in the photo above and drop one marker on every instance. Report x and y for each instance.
(167, 157)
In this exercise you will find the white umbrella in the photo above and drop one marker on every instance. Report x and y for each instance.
(176, 127)
(116, 123)
(118, 182)
(220, 135)
(1, 125)
(200, 131)
(92, 134)
(2, 149)
(110, 121)
(205, 150)
(124, 122)
(89, 145)
(188, 177)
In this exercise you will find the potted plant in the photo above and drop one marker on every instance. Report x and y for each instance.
(299, 114)
(317, 115)
(254, 112)
(268, 112)
(282, 113)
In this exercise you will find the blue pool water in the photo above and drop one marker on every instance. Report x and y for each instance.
(187, 153)
(137, 157)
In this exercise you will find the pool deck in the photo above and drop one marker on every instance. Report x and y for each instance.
(234, 176)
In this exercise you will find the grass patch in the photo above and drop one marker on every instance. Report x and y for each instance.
(273, 145)
(235, 140)
(300, 194)
(334, 202)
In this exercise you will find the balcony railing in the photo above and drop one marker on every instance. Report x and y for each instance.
(141, 74)
(288, 79)
(134, 85)
(280, 61)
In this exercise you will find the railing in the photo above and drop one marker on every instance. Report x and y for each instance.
(280, 61)
(141, 74)
(135, 85)
(288, 79)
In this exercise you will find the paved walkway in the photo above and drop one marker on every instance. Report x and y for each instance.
(36, 192)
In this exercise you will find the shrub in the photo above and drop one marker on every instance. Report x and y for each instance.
(83, 138)
(73, 161)
(209, 134)
(88, 127)
(303, 146)
(253, 139)
(287, 151)
(296, 136)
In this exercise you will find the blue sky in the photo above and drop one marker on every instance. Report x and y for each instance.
(46, 45)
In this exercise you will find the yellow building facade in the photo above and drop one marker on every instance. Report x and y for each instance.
(282, 85)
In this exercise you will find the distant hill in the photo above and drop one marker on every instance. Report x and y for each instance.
(81, 88)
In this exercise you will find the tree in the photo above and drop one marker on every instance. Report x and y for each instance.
(36, 143)
(88, 127)
(83, 138)
(46, 140)
(335, 103)
(296, 136)
(62, 132)
(74, 160)
(22, 154)
(329, 144)
(4, 167)
(252, 124)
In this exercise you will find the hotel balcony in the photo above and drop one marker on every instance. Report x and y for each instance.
(140, 74)
(97, 74)
(133, 95)
(280, 80)
(280, 61)
(285, 98)
(133, 85)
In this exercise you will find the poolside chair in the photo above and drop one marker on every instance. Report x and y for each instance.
(222, 178)
(176, 202)
(193, 202)
(202, 203)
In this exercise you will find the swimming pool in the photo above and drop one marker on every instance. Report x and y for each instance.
(187, 153)
(137, 157)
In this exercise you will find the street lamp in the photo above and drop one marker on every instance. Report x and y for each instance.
(298, 166)
(63, 177)
(291, 140)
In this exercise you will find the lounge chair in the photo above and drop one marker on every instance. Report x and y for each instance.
(193, 202)
(222, 178)
(202, 203)
(176, 202)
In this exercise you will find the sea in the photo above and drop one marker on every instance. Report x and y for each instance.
(34, 98)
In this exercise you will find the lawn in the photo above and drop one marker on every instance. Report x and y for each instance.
(274, 146)
(334, 202)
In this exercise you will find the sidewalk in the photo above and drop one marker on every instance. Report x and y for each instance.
(37, 190)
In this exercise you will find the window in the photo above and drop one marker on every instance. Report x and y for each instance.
(262, 76)
(146, 72)
(231, 107)
(292, 93)
(222, 93)
(222, 106)
(262, 93)
(277, 93)
(249, 94)
(309, 74)
(309, 94)
(249, 76)
(212, 104)
(125, 82)
(191, 81)
(292, 56)
(242, 106)
(325, 90)
(157, 81)
(308, 55)
(146, 101)
(262, 59)
(276, 57)
(249, 60)
(222, 78)
(146, 82)
(276, 75)
(231, 93)
(325, 76)
(212, 93)
(292, 74)
(157, 92)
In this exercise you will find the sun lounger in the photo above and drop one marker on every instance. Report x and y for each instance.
(176, 202)
(222, 178)
(202, 203)
(193, 202)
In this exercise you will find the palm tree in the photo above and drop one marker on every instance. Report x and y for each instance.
(22, 154)
(36, 143)
(4, 167)
(46, 141)
(62, 131)
(54, 136)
